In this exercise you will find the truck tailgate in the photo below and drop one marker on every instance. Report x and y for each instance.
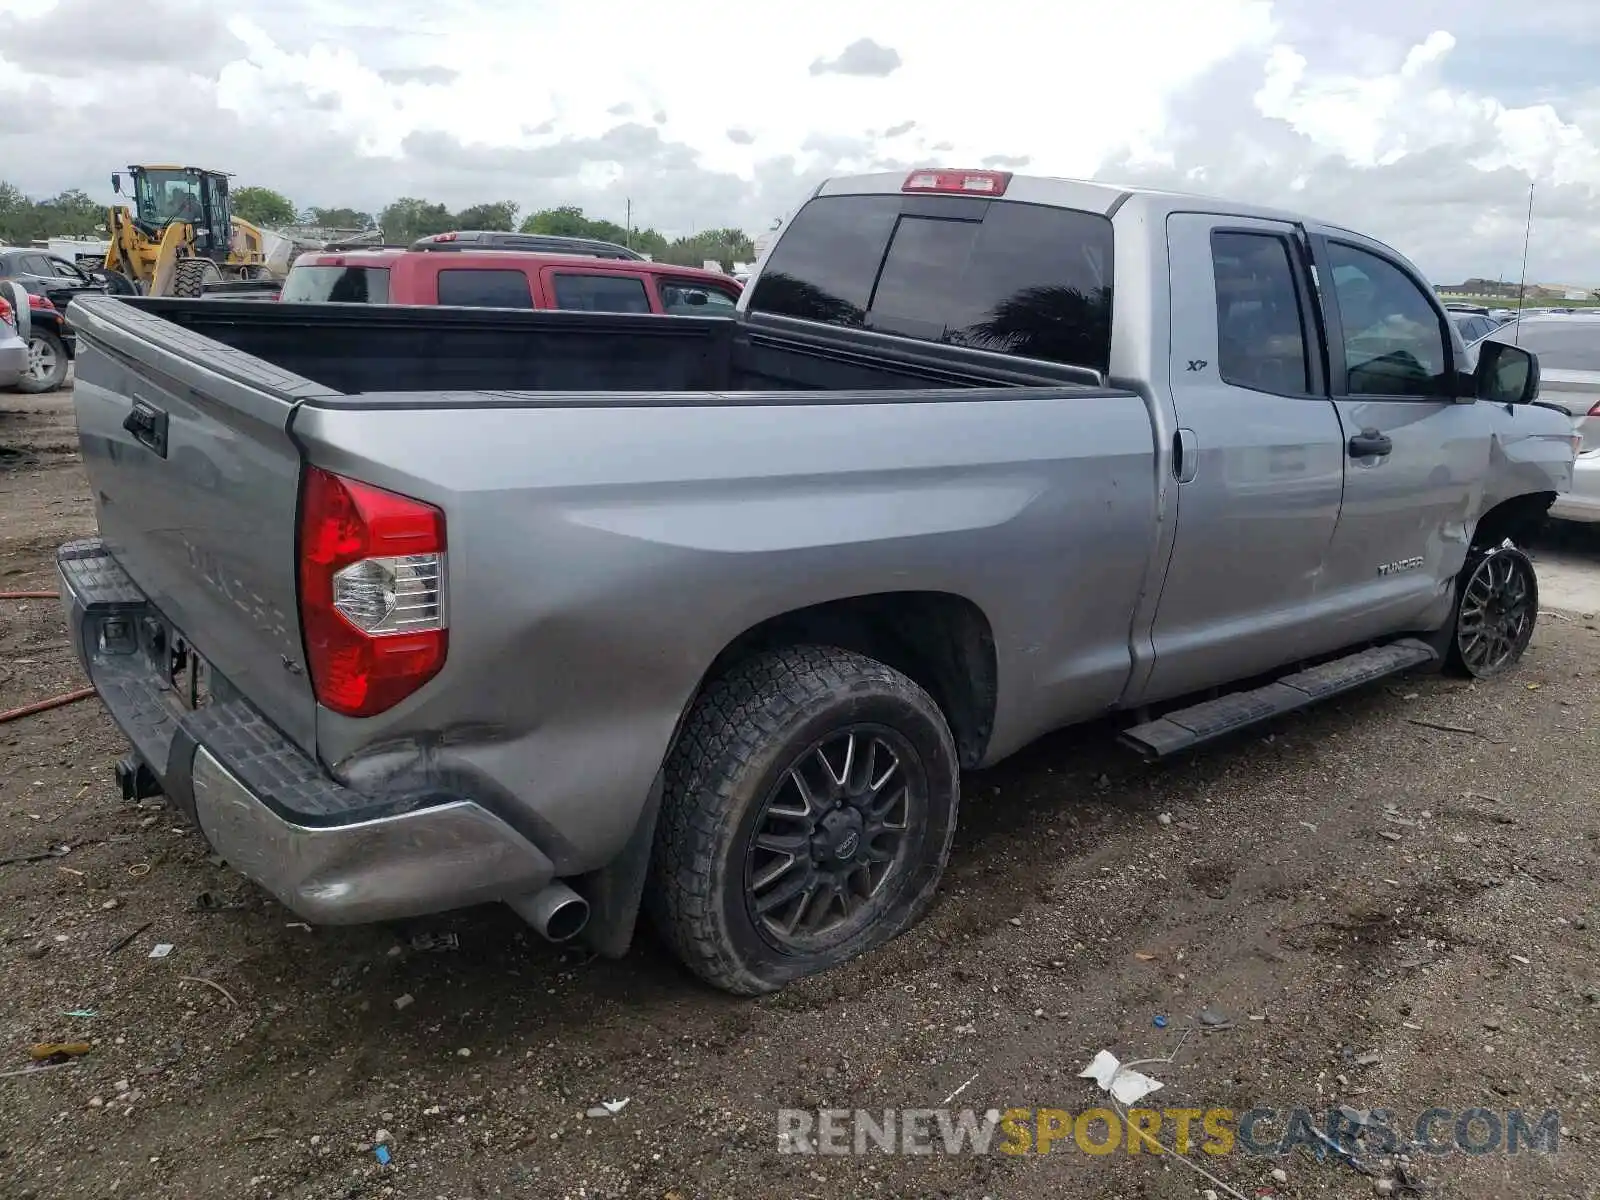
(196, 482)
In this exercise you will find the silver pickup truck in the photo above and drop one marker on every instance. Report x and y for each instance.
(417, 608)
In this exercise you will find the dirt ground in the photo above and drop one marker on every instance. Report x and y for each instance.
(1401, 887)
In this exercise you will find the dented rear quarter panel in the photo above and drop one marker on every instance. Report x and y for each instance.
(601, 557)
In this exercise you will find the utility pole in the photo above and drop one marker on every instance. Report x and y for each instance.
(628, 228)
(1522, 288)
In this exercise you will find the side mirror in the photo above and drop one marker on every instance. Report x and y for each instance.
(116, 182)
(1506, 374)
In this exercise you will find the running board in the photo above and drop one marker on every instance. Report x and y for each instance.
(1217, 718)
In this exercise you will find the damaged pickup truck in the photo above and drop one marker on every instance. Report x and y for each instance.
(418, 608)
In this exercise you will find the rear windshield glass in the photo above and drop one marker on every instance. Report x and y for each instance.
(1022, 279)
(337, 285)
(1570, 345)
(484, 288)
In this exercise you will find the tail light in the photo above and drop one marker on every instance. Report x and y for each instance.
(7, 316)
(42, 303)
(969, 183)
(372, 593)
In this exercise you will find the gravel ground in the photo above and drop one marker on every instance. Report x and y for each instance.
(1400, 886)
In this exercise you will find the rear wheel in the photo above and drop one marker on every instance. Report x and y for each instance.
(47, 363)
(1497, 605)
(190, 276)
(810, 803)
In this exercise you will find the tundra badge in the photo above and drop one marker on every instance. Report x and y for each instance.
(1404, 564)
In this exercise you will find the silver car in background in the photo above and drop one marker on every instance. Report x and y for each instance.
(14, 330)
(1568, 346)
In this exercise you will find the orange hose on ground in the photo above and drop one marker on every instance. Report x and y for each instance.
(29, 596)
(39, 706)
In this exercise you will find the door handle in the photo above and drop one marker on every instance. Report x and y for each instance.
(148, 424)
(1369, 443)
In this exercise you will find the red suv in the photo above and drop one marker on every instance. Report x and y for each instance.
(508, 279)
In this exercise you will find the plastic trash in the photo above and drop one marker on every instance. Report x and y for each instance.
(1129, 1087)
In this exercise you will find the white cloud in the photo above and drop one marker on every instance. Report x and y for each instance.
(1424, 127)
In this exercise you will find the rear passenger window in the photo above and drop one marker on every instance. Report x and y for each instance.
(1261, 341)
(1022, 279)
(601, 293)
(335, 285)
(485, 289)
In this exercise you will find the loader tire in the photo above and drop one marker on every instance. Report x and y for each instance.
(117, 284)
(190, 276)
(809, 808)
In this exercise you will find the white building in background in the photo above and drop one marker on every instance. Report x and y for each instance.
(78, 250)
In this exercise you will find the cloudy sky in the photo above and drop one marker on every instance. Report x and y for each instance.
(1420, 121)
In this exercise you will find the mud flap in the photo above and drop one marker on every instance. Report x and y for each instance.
(614, 891)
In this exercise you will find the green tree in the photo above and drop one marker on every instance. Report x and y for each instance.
(566, 221)
(725, 246)
(338, 218)
(569, 221)
(263, 206)
(408, 219)
(500, 215)
(70, 214)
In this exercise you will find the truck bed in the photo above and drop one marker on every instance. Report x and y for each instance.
(397, 351)
(624, 496)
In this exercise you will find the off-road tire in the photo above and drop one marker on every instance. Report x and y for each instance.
(739, 741)
(190, 275)
(1479, 558)
(118, 284)
(29, 385)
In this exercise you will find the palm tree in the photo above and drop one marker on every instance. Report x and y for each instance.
(1052, 322)
(789, 296)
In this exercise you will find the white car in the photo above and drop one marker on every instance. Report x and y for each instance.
(1568, 346)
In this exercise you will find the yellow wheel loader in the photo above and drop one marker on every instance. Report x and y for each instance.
(180, 234)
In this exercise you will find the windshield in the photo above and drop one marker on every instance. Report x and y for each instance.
(164, 196)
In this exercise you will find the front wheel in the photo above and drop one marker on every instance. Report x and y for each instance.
(1497, 605)
(809, 808)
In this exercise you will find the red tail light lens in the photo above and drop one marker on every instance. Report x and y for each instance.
(372, 580)
(970, 183)
(42, 303)
(7, 316)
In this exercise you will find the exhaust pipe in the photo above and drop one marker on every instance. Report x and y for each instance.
(557, 912)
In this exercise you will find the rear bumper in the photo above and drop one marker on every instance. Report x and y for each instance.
(332, 855)
(1582, 502)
